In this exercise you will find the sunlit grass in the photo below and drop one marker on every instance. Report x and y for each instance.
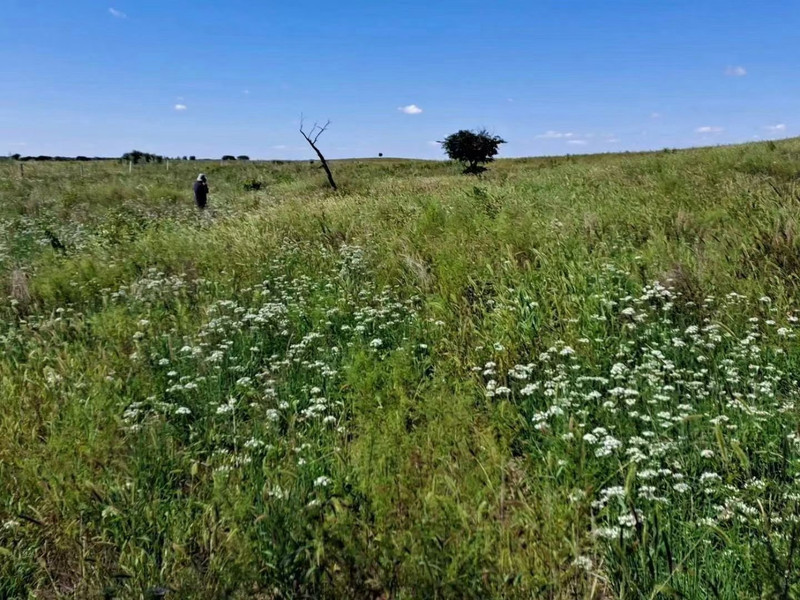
(572, 377)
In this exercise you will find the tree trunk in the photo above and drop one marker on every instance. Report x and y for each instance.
(312, 143)
(324, 165)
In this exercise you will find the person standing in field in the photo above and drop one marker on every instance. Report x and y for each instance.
(201, 191)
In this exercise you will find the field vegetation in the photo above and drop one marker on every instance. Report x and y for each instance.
(571, 377)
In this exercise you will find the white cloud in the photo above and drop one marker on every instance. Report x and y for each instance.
(555, 135)
(411, 109)
(776, 128)
(180, 107)
(735, 71)
(118, 14)
(655, 115)
(280, 147)
(577, 142)
(246, 92)
(709, 129)
(612, 140)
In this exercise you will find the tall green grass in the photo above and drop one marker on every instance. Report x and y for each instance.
(571, 377)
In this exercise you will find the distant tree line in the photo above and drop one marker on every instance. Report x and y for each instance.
(43, 157)
(138, 157)
(135, 156)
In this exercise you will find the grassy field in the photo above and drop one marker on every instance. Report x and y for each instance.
(571, 378)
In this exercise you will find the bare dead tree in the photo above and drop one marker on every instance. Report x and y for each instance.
(311, 137)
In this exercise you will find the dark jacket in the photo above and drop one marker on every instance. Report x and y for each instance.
(201, 193)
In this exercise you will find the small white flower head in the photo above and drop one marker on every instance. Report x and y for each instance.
(583, 562)
(627, 520)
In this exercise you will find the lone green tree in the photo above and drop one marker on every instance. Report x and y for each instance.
(472, 148)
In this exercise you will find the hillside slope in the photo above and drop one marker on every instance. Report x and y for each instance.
(572, 377)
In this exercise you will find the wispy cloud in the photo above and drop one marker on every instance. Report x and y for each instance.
(655, 115)
(776, 128)
(736, 71)
(575, 139)
(280, 147)
(612, 140)
(117, 14)
(411, 109)
(555, 135)
(246, 92)
(709, 129)
(180, 107)
(434, 144)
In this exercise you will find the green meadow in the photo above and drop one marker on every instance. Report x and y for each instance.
(571, 377)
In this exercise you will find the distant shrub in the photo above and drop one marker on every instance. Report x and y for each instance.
(137, 156)
(192, 158)
(228, 157)
(253, 185)
(242, 157)
(472, 148)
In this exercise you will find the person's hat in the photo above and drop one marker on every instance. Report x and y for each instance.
(201, 177)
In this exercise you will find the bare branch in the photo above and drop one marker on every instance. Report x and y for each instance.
(321, 130)
(317, 131)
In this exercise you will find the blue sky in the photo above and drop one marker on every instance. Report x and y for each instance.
(180, 77)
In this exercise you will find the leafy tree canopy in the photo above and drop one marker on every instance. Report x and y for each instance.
(472, 148)
(137, 156)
